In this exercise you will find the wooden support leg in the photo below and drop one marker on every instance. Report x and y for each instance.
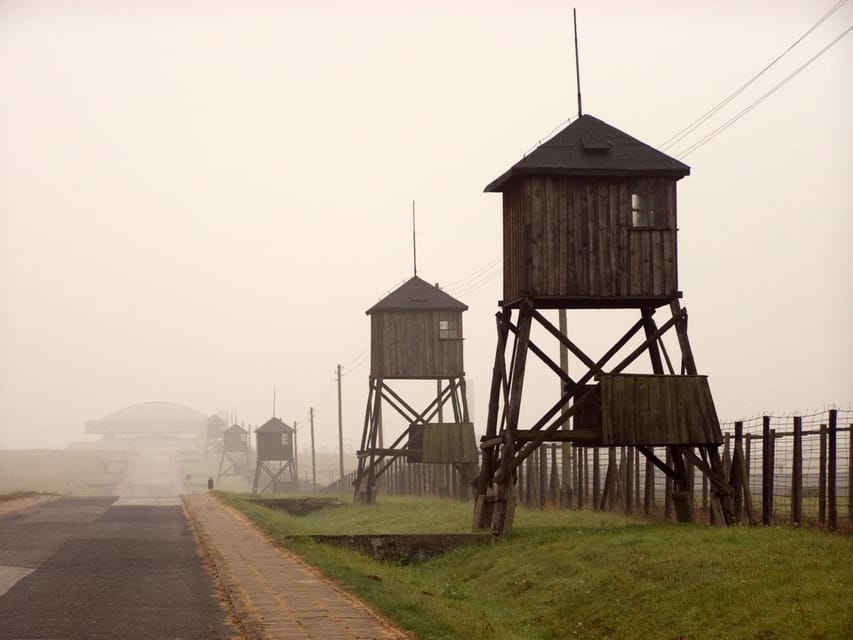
(681, 500)
(504, 506)
(724, 499)
(483, 503)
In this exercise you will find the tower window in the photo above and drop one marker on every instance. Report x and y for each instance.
(448, 327)
(285, 439)
(648, 205)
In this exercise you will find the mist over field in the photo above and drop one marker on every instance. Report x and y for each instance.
(199, 201)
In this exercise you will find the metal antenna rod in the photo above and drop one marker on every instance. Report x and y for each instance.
(577, 62)
(414, 243)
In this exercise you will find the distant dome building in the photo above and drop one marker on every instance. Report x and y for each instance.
(151, 418)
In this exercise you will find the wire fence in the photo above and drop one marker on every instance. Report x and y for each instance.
(790, 469)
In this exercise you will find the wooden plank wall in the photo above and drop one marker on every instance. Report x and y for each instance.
(571, 237)
(658, 410)
(270, 447)
(445, 442)
(405, 344)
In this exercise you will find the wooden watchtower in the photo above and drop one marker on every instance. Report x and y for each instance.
(589, 221)
(213, 434)
(275, 465)
(416, 334)
(235, 453)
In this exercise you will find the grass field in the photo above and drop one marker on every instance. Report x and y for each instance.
(585, 575)
(61, 471)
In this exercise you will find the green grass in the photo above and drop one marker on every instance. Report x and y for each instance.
(586, 575)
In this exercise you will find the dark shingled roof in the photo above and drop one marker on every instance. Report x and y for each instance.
(215, 421)
(417, 295)
(590, 147)
(235, 428)
(274, 425)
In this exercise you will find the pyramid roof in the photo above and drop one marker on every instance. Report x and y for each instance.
(275, 425)
(417, 295)
(591, 147)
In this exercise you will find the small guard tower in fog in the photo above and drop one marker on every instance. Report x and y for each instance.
(590, 222)
(416, 334)
(214, 430)
(235, 453)
(275, 467)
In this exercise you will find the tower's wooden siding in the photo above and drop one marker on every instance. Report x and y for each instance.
(572, 238)
(270, 446)
(235, 440)
(658, 410)
(406, 344)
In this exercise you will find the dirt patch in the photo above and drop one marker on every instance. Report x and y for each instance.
(14, 502)
(405, 547)
(297, 506)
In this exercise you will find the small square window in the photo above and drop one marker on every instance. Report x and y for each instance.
(285, 439)
(648, 208)
(448, 328)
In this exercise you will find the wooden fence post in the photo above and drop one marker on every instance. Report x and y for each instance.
(554, 484)
(667, 495)
(543, 475)
(821, 477)
(833, 469)
(596, 478)
(629, 480)
(637, 477)
(649, 492)
(580, 487)
(735, 478)
(766, 473)
(797, 474)
(747, 458)
(850, 473)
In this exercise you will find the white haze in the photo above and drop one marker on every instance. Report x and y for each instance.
(199, 200)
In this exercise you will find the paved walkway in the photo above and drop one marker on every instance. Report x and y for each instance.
(274, 593)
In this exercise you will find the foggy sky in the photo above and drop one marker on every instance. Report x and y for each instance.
(199, 200)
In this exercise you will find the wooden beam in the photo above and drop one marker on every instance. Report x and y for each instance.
(660, 464)
(687, 361)
(650, 328)
(528, 448)
(564, 340)
(719, 480)
(553, 366)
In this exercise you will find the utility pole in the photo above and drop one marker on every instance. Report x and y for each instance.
(295, 455)
(313, 458)
(340, 424)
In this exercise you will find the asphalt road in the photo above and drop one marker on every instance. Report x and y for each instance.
(108, 567)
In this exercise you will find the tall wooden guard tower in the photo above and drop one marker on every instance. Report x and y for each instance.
(416, 334)
(213, 439)
(274, 442)
(589, 222)
(235, 453)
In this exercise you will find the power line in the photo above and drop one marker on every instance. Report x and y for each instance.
(461, 282)
(704, 117)
(485, 278)
(743, 112)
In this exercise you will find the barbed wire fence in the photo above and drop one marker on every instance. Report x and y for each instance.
(797, 469)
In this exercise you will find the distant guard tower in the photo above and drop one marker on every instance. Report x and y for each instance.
(415, 334)
(215, 428)
(275, 467)
(235, 453)
(589, 222)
